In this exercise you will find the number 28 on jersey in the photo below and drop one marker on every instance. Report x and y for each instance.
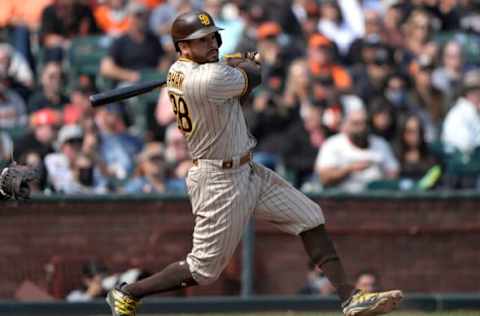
(180, 107)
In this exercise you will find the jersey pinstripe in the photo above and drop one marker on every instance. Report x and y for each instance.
(210, 93)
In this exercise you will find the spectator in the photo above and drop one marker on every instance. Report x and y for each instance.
(79, 107)
(161, 20)
(382, 119)
(151, 172)
(232, 26)
(117, 147)
(316, 283)
(39, 141)
(6, 149)
(296, 87)
(13, 112)
(111, 17)
(50, 94)
(367, 281)
(282, 13)
(252, 15)
(369, 77)
(447, 78)
(15, 73)
(396, 90)
(135, 51)
(69, 170)
(93, 274)
(448, 14)
(178, 158)
(335, 27)
(321, 54)
(373, 30)
(418, 31)
(392, 21)
(22, 21)
(307, 13)
(461, 128)
(163, 117)
(353, 158)
(411, 149)
(425, 98)
(269, 118)
(61, 21)
(469, 20)
(18, 69)
(304, 138)
(271, 49)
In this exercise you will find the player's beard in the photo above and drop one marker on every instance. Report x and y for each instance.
(207, 58)
(212, 56)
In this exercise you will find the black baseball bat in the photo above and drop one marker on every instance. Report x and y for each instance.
(124, 92)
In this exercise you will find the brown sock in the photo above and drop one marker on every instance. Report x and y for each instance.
(322, 252)
(173, 277)
(335, 273)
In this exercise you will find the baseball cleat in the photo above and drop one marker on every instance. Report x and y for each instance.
(121, 303)
(369, 304)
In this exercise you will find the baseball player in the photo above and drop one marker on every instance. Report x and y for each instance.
(225, 186)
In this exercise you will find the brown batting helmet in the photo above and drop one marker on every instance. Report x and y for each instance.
(193, 25)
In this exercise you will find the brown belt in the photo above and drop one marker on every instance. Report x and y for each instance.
(228, 164)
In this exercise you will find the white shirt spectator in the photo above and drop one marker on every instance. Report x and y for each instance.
(345, 33)
(63, 180)
(338, 151)
(13, 111)
(461, 127)
(60, 175)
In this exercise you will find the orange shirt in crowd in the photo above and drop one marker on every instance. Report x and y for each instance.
(107, 24)
(150, 4)
(339, 74)
(26, 12)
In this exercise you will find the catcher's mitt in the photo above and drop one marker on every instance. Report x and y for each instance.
(15, 179)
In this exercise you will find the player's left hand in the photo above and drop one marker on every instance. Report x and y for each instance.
(15, 179)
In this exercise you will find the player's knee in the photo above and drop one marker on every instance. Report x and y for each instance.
(204, 277)
(207, 279)
(203, 272)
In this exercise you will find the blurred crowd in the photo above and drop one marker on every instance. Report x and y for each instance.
(356, 94)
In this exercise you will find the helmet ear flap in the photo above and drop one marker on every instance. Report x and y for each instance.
(219, 38)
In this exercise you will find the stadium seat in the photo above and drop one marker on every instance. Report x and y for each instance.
(85, 55)
(384, 185)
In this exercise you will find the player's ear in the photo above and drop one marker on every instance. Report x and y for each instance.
(184, 47)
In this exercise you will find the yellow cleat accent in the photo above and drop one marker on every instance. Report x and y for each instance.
(369, 304)
(121, 303)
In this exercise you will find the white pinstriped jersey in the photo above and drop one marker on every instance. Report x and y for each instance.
(205, 99)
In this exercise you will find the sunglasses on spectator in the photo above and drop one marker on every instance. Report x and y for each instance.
(74, 141)
(156, 158)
